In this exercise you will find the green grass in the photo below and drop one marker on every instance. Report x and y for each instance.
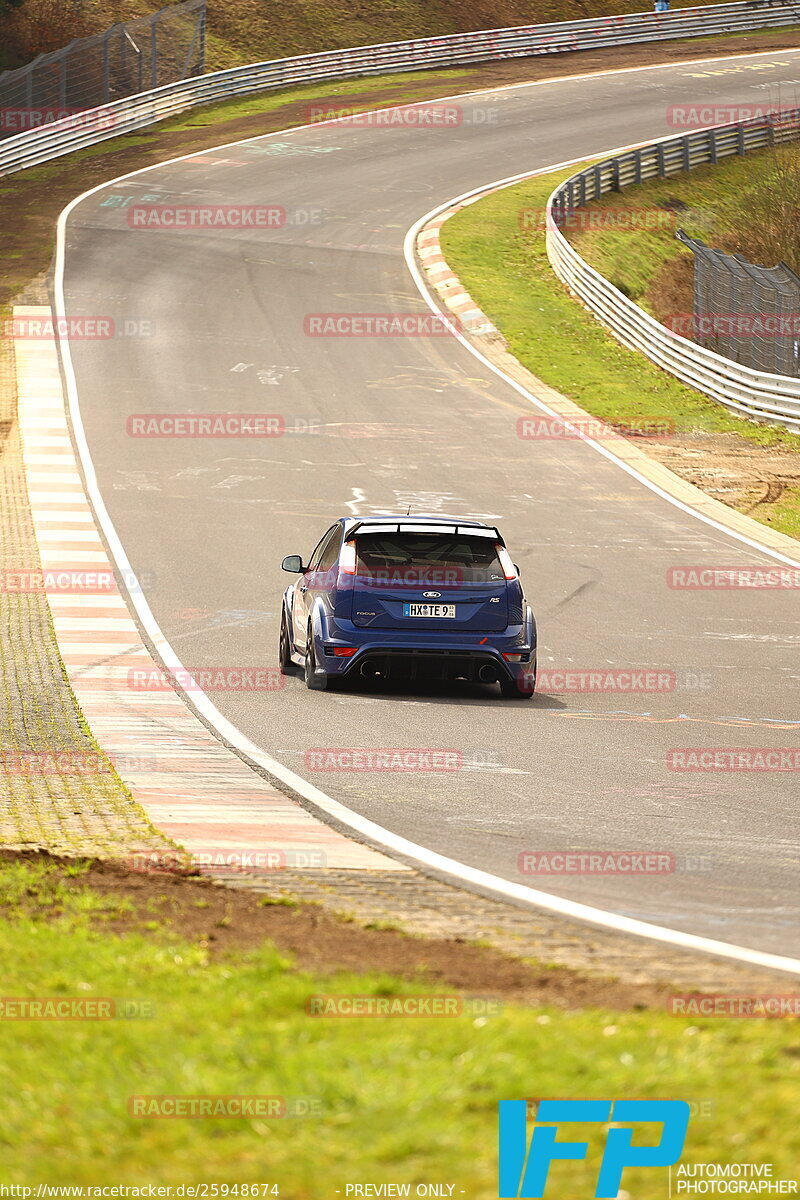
(231, 110)
(228, 111)
(244, 31)
(407, 1100)
(709, 203)
(498, 251)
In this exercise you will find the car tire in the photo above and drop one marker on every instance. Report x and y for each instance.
(284, 648)
(510, 688)
(316, 681)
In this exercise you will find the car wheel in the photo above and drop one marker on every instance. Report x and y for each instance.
(518, 689)
(315, 680)
(284, 649)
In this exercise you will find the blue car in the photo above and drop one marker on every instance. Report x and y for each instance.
(392, 595)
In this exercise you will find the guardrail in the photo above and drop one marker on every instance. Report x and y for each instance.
(760, 396)
(123, 116)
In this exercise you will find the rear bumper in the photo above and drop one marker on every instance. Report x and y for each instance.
(389, 651)
(440, 664)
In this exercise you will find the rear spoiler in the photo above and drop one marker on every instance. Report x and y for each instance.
(419, 526)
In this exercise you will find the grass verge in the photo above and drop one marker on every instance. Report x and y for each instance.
(713, 203)
(386, 1100)
(497, 248)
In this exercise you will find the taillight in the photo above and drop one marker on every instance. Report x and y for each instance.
(509, 570)
(344, 651)
(347, 559)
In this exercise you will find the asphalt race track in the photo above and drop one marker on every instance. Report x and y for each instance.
(420, 421)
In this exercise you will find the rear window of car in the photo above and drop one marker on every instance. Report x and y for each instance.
(425, 558)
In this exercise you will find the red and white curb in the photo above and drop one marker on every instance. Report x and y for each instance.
(194, 789)
(440, 286)
(446, 284)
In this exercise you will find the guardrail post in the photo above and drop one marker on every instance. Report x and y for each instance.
(740, 146)
(770, 130)
(660, 159)
(687, 152)
(582, 191)
(637, 159)
(598, 182)
(615, 175)
(154, 50)
(202, 45)
(712, 146)
(106, 71)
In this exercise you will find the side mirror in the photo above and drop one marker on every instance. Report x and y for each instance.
(293, 563)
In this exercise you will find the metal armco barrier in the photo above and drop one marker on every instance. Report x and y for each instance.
(146, 108)
(149, 51)
(755, 394)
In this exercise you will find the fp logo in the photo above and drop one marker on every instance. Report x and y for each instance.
(523, 1173)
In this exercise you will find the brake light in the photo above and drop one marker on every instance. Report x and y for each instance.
(344, 651)
(515, 657)
(347, 559)
(509, 570)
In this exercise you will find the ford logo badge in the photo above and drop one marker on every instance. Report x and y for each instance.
(431, 595)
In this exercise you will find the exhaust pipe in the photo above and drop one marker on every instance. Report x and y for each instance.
(487, 673)
(369, 670)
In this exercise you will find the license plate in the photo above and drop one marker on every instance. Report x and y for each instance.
(429, 610)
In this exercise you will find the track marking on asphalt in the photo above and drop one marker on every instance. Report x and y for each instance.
(318, 800)
(189, 784)
(588, 714)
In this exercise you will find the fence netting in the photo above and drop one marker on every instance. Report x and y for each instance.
(747, 313)
(130, 57)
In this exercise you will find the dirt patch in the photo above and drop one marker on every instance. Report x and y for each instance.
(729, 468)
(227, 921)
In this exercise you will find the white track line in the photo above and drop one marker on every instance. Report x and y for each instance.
(319, 800)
